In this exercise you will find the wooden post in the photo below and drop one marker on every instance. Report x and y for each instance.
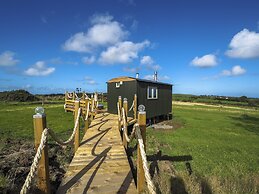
(66, 97)
(135, 106)
(120, 102)
(120, 105)
(119, 116)
(140, 170)
(74, 96)
(125, 106)
(77, 135)
(92, 108)
(87, 120)
(39, 122)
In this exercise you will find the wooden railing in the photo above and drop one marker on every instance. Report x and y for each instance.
(139, 132)
(83, 106)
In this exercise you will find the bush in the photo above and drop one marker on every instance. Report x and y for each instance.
(17, 96)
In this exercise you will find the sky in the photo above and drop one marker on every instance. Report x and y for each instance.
(202, 47)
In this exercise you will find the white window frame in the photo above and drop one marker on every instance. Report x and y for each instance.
(154, 92)
(117, 84)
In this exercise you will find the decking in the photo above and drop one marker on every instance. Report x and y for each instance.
(100, 164)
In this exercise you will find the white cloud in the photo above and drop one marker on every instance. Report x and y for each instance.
(90, 81)
(149, 77)
(122, 52)
(159, 78)
(131, 69)
(88, 60)
(245, 44)
(39, 69)
(235, 71)
(134, 25)
(59, 61)
(149, 63)
(43, 19)
(146, 60)
(104, 32)
(209, 60)
(7, 59)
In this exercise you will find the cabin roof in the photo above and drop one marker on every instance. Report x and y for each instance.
(125, 78)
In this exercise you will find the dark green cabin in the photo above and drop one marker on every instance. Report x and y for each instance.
(155, 96)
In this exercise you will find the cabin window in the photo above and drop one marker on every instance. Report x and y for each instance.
(117, 84)
(152, 93)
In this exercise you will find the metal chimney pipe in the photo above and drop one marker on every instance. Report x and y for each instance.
(155, 76)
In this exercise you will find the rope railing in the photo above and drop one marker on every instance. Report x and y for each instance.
(125, 128)
(149, 181)
(87, 111)
(132, 106)
(27, 184)
(42, 133)
(43, 142)
(70, 139)
(70, 95)
(137, 132)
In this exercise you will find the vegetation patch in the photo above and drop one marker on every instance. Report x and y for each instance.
(16, 159)
(17, 96)
(168, 125)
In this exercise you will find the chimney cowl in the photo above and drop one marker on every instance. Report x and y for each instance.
(155, 76)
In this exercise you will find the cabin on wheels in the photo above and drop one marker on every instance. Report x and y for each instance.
(155, 96)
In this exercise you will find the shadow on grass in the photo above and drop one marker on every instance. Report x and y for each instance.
(177, 186)
(177, 183)
(159, 157)
(247, 122)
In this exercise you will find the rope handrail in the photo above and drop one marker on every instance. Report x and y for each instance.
(125, 128)
(131, 108)
(44, 137)
(86, 96)
(27, 184)
(70, 139)
(87, 111)
(149, 181)
(70, 95)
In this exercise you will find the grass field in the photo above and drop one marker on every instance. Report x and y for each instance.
(224, 146)
(16, 120)
(222, 142)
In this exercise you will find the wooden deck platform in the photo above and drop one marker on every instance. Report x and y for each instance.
(100, 164)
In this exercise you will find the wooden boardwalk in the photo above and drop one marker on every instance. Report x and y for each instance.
(100, 164)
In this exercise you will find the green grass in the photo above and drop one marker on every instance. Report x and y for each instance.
(16, 120)
(223, 142)
(224, 145)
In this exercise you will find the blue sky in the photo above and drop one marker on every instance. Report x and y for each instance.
(202, 47)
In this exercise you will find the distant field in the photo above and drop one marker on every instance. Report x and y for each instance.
(224, 145)
(219, 100)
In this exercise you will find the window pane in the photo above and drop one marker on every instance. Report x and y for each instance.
(149, 92)
(154, 93)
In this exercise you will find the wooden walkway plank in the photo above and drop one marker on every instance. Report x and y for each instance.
(100, 164)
